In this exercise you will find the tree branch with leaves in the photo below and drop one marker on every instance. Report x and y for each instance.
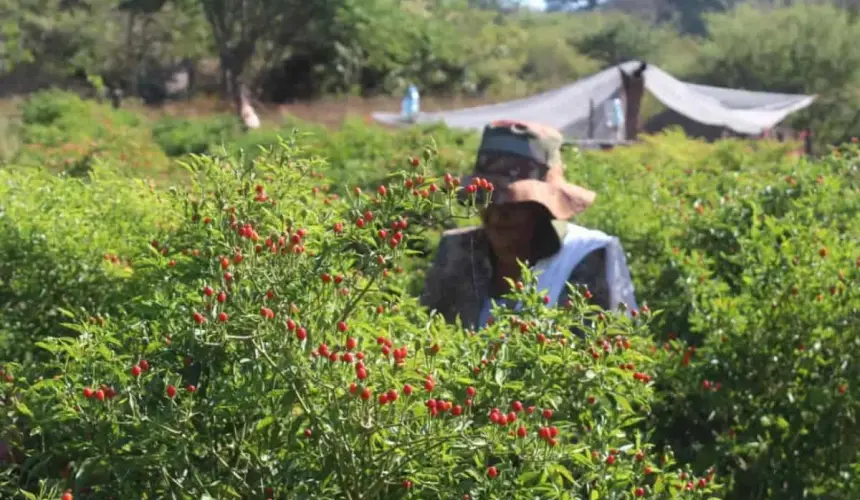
(241, 27)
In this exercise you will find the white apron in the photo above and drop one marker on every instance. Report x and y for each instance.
(552, 273)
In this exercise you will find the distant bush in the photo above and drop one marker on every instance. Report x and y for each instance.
(182, 136)
(9, 138)
(553, 60)
(358, 153)
(810, 49)
(61, 112)
(62, 132)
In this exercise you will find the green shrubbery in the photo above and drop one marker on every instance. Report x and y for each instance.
(62, 132)
(357, 153)
(68, 244)
(183, 136)
(271, 351)
(746, 256)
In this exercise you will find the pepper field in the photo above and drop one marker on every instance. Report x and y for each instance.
(242, 323)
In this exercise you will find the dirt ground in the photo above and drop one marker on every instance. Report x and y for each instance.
(330, 112)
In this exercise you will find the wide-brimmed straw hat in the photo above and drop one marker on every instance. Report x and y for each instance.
(523, 163)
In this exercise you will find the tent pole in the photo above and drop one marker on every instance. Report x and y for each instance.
(591, 118)
(633, 87)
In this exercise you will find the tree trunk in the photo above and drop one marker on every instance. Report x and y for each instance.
(633, 86)
(228, 74)
(191, 68)
(232, 66)
(132, 54)
(226, 78)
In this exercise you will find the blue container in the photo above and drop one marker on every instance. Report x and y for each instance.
(618, 110)
(411, 104)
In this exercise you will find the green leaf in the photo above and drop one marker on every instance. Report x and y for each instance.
(562, 470)
(499, 376)
(623, 402)
(104, 351)
(528, 477)
(66, 312)
(83, 470)
(659, 485)
(52, 348)
(551, 359)
(266, 422)
(113, 340)
(23, 409)
(583, 458)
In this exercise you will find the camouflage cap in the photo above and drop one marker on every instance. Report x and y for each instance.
(523, 162)
(534, 141)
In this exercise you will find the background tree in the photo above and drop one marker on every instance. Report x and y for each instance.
(620, 38)
(59, 42)
(573, 5)
(800, 49)
(689, 15)
(243, 29)
(804, 48)
(59, 35)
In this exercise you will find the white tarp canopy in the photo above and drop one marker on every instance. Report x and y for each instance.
(569, 108)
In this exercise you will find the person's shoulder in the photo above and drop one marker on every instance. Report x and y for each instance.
(462, 232)
(574, 232)
(460, 245)
(462, 236)
(457, 253)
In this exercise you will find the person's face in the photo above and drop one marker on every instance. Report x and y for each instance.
(510, 228)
